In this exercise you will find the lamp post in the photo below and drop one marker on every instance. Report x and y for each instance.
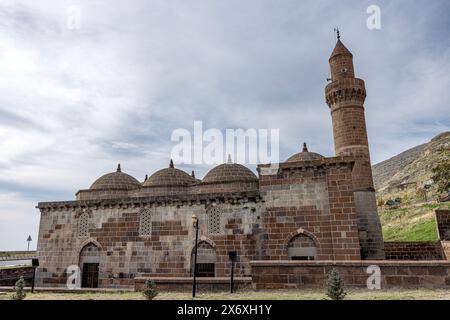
(232, 255)
(195, 224)
(35, 264)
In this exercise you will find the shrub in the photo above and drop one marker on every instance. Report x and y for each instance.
(150, 290)
(421, 193)
(335, 286)
(441, 176)
(19, 293)
(380, 202)
(390, 202)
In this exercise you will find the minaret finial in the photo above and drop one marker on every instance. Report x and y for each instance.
(338, 35)
(305, 147)
(229, 161)
(171, 163)
(118, 168)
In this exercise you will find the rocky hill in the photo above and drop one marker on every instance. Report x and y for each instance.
(402, 175)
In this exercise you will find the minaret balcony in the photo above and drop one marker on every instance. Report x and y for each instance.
(348, 90)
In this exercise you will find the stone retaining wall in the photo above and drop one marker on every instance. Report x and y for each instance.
(9, 276)
(443, 224)
(415, 250)
(313, 274)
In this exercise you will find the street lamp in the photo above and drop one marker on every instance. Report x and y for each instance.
(195, 224)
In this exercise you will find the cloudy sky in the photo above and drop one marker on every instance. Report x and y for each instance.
(76, 99)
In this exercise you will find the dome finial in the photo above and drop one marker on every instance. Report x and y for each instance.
(305, 147)
(146, 177)
(118, 168)
(338, 35)
(171, 164)
(229, 161)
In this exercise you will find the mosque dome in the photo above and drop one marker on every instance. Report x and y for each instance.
(169, 177)
(305, 155)
(115, 181)
(229, 172)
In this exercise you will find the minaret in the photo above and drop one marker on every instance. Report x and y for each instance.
(345, 96)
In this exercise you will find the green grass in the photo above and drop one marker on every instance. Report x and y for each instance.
(414, 223)
(15, 267)
(353, 294)
(16, 253)
(424, 231)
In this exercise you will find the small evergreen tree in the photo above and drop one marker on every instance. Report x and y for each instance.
(335, 286)
(150, 290)
(19, 293)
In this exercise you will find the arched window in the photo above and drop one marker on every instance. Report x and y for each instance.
(83, 225)
(302, 247)
(214, 223)
(145, 223)
(206, 259)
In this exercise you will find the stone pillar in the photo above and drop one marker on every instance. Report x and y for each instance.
(443, 226)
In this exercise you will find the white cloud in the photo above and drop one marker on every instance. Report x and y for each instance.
(74, 103)
(18, 219)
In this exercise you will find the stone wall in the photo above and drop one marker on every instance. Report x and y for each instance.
(445, 250)
(443, 224)
(155, 236)
(424, 250)
(166, 251)
(313, 274)
(415, 250)
(9, 276)
(313, 199)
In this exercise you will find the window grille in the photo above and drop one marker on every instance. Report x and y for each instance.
(214, 225)
(145, 223)
(83, 225)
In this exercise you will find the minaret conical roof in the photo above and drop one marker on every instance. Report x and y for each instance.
(340, 49)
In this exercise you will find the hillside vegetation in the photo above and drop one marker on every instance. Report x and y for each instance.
(413, 223)
(403, 178)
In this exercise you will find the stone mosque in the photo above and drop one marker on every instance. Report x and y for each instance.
(312, 208)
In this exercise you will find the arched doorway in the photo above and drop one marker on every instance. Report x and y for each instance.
(302, 247)
(89, 265)
(206, 260)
